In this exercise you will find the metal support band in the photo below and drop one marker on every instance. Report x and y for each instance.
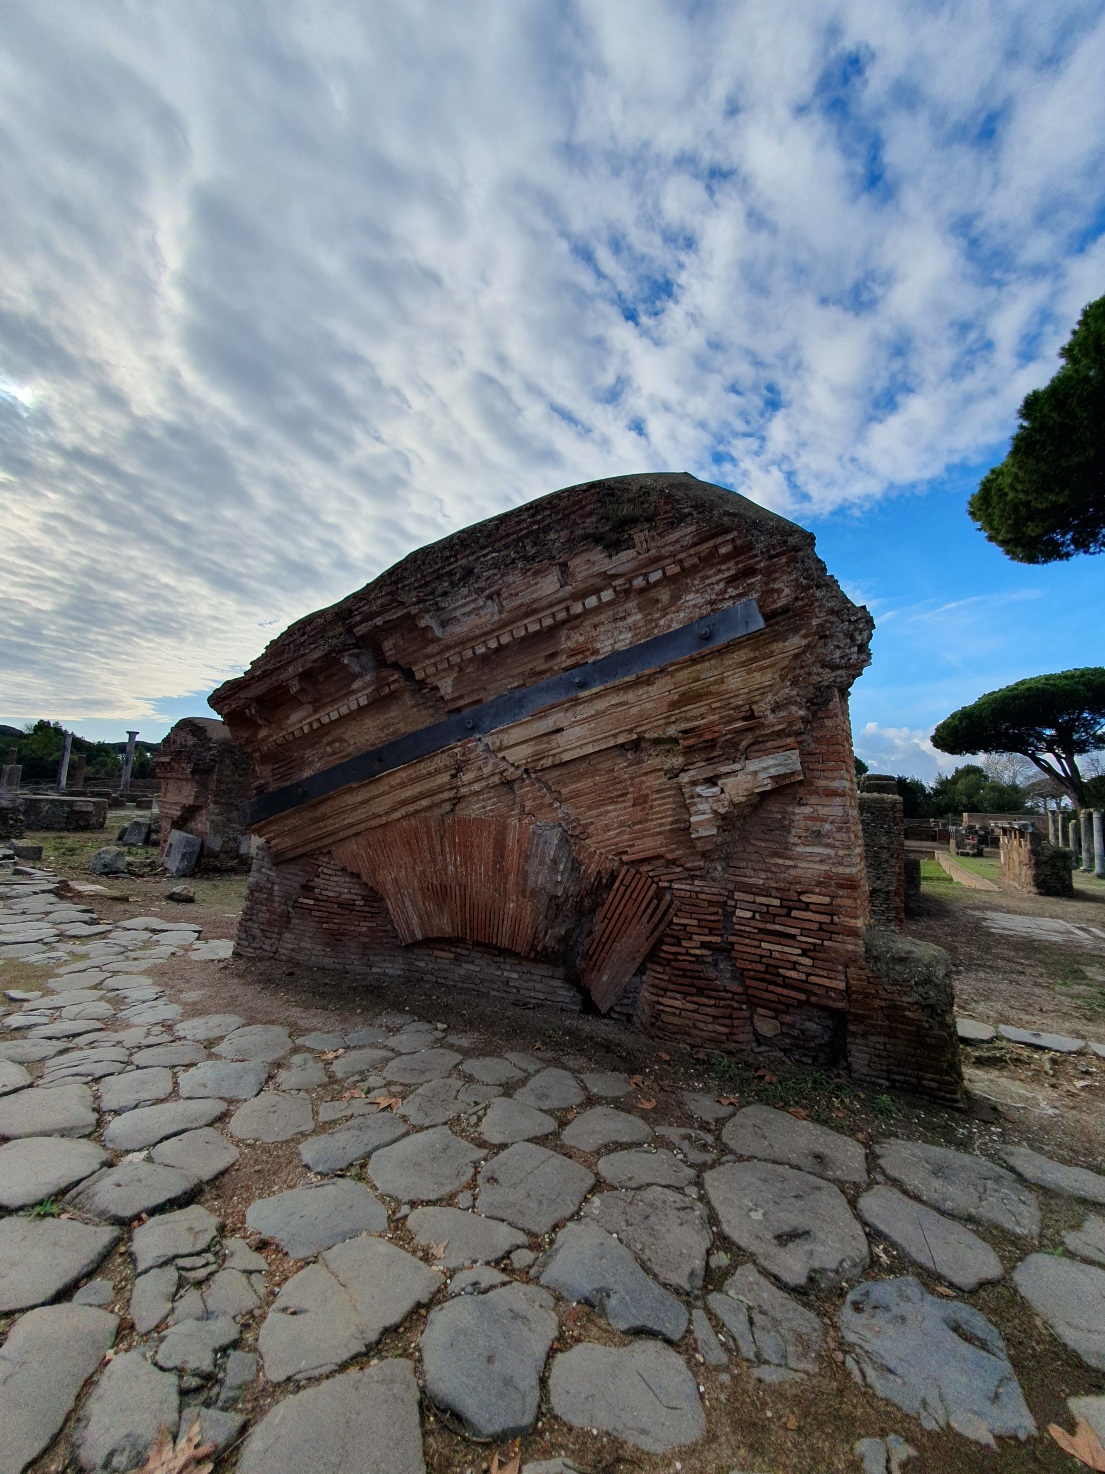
(513, 706)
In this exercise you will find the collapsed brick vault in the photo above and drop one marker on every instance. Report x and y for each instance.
(595, 750)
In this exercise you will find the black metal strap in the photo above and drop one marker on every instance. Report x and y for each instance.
(513, 706)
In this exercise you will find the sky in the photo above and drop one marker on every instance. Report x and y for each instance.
(291, 287)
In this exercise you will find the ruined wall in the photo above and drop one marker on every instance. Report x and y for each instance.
(56, 811)
(1029, 863)
(884, 855)
(204, 778)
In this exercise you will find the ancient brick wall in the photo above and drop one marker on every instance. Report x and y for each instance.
(55, 811)
(1029, 863)
(884, 855)
(204, 778)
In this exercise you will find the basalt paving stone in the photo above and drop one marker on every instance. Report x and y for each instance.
(644, 1169)
(28, 1051)
(361, 1422)
(265, 1042)
(550, 1090)
(603, 1126)
(609, 1083)
(1056, 1043)
(483, 1356)
(939, 1360)
(796, 1226)
(323, 1041)
(302, 1072)
(770, 1329)
(41, 1257)
(710, 1349)
(60, 1110)
(357, 1061)
(642, 1393)
(589, 1265)
(439, 1101)
(531, 1187)
(667, 1231)
(147, 1125)
(172, 1236)
(192, 1345)
(530, 1063)
(47, 1358)
(230, 1079)
(135, 1087)
(307, 1220)
(509, 1121)
(775, 1136)
(355, 1039)
(937, 1243)
(467, 1238)
(123, 1193)
(12, 1077)
(342, 1110)
(424, 1167)
(413, 1039)
(705, 1107)
(416, 1069)
(37, 1167)
(1071, 1298)
(272, 1116)
(491, 1070)
(229, 1292)
(1077, 1182)
(1088, 1242)
(71, 1029)
(962, 1185)
(152, 1297)
(476, 1281)
(333, 1151)
(175, 1056)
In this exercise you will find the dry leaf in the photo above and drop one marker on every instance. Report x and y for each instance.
(636, 1080)
(387, 1102)
(188, 1456)
(840, 1115)
(1085, 1446)
(537, 1046)
(943, 1290)
(437, 1251)
(798, 1112)
(513, 1461)
(790, 1422)
(662, 1055)
(646, 1105)
(331, 1054)
(766, 1076)
(730, 1100)
(352, 1094)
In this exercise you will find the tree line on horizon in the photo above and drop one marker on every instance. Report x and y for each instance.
(38, 750)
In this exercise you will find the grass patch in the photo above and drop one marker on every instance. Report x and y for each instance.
(990, 869)
(934, 874)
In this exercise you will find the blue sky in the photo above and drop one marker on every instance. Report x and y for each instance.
(292, 288)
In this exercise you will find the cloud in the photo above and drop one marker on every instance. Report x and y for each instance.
(289, 290)
(901, 750)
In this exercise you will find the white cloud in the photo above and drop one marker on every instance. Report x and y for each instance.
(901, 750)
(291, 289)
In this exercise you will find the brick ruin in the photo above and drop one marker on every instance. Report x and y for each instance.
(1030, 863)
(594, 752)
(204, 779)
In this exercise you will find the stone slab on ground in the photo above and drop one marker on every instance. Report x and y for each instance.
(123, 1193)
(532, 1187)
(972, 1032)
(205, 1153)
(492, 1070)
(41, 1257)
(768, 1326)
(1071, 1297)
(134, 1088)
(417, 1069)
(796, 1226)
(550, 1090)
(962, 1185)
(775, 1136)
(172, 1236)
(12, 1077)
(127, 1408)
(47, 1358)
(191, 1345)
(468, 1238)
(609, 1083)
(426, 1166)
(209, 1026)
(152, 1297)
(175, 1056)
(36, 1167)
(229, 1292)
(307, 1220)
(362, 1422)
(604, 1126)
(258, 1042)
(1088, 1242)
(705, 1107)
(483, 1356)
(147, 1125)
(642, 1393)
(1091, 1410)
(709, 1347)
(357, 1061)
(1077, 1182)
(1057, 1043)
(939, 1360)
(938, 1244)
(61, 1110)
(587, 1264)
(439, 1101)
(224, 1079)
(333, 1151)
(643, 1168)
(668, 1232)
(272, 1116)
(508, 1120)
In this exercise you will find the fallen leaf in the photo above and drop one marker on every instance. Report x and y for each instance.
(513, 1461)
(662, 1055)
(790, 1422)
(840, 1115)
(570, 1115)
(636, 1080)
(767, 1077)
(1085, 1446)
(352, 1094)
(863, 1138)
(387, 1102)
(798, 1112)
(730, 1100)
(188, 1456)
(537, 1046)
(943, 1290)
(437, 1251)
(646, 1105)
(331, 1054)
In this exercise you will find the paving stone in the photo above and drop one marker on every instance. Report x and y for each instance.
(694, 1146)
(1071, 1297)
(972, 1032)
(172, 1055)
(224, 1079)
(550, 1090)
(205, 1153)
(151, 1298)
(307, 1220)
(192, 1345)
(89, 1067)
(241, 1369)
(36, 1167)
(587, 1264)
(610, 1083)
(416, 1069)
(123, 1193)
(321, 1040)
(362, 1422)
(335, 1150)
(483, 1356)
(883, 1455)
(603, 1126)
(705, 1107)
(41, 1257)
(230, 1292)
(153, 1013)
(476, 1281)
(440, 1101)
(667, 1231)
(509, 1121)
(172, 1236)
(770, 1329)
(775, 1136)
(937, 1243)
(12, 1077)
(354, 1040)
(272, 1116)
(28, 1051)
(530, 1063)
(217, 1428)
(135, 1087)
(47, 1358)
(468, 1238)
(209, 1026)
(642, 1393)
(341, 1110)
(963, 1185)
(302, 1072)
(1077, 1182)
(531, 1187)
(644, 1168)
(710, 1348)
(240, 1256)
(413, 1038)
(147, 1125)
(796, 1226)
(424, 1167)
(1088, 1242)
(939, 1360)
(1091, 1410)
(62, 1110)
(1057, 1043)
(263, 1042)
(357, 1061)
(492, 1070)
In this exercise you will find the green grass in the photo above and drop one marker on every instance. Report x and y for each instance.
(933, 874)
(991, 869)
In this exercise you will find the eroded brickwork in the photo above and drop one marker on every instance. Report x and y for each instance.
(1030, 863)
(203, 781)
(884, 856)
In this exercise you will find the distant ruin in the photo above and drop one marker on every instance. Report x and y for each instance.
(592, 752)
(203, 781)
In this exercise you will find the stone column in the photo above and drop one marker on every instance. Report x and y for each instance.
(1072, 840)
(63, 764)
(1087, 840)
(1099, 843)
(11, 772)
(76, 770)
(1053, 826)
(128, 762)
